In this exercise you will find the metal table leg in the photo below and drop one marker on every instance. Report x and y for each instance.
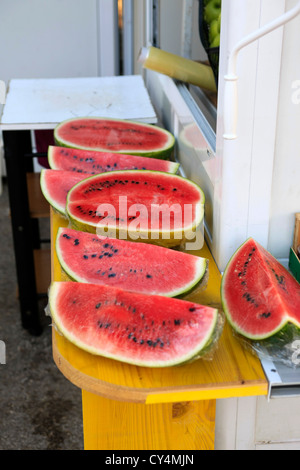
(16, 144)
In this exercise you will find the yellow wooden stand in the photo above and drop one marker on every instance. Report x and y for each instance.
(134, 408)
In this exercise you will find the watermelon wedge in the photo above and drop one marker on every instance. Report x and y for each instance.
(138, 329)
(115, 135)
(90, 162)
(137, 267)
(150, 206)
(260, 297)
(55, 185)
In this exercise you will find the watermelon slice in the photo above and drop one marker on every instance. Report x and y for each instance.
(115, 135)
(55, 185)
(260, 297)
(139, 329)
(92, 162)
(148, 206)
(127, 265)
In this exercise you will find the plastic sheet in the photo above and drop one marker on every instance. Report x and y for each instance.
(209, 351)
(283, 347)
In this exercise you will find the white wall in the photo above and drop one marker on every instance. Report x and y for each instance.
(286, 175)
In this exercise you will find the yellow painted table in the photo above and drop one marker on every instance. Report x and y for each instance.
(134, 408)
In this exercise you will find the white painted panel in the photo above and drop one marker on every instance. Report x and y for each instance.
(108, 39)
(279, 446)
(277, 420)
(286, 176)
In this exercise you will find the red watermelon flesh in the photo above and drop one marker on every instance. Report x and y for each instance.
(138, 267)
(92, 162)
(260, 297)
(55, 185)
(145, 204)
(114, 135)
(139, 329)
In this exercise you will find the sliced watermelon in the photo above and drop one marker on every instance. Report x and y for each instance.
(148, 206)
(92, 162)
(260, 297)
(115, 135)
(55, 185)
(137, 267)
(139, 329)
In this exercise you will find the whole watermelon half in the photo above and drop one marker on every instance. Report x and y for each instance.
(115, 135)
(260, 297)
(138, 329)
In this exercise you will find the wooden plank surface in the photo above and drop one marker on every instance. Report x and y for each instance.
(111, 424)
(233, 371)
(296, 243)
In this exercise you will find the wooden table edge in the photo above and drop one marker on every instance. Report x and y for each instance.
(155, 395)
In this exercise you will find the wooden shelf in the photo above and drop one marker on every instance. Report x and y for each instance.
(42, 263)
(38, 206)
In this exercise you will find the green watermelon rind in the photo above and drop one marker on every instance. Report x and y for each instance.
(173, 166)
(173, 241)
(163, 153)
(195, 283)
(236, 328)
(57, 207)
(196, 353)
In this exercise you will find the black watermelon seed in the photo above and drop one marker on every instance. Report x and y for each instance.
(149, 276)
(85, 257)
(177, 322)
(98, 305)
(266, 315)
(192, 309)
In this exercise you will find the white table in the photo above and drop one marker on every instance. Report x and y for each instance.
(36, 104)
